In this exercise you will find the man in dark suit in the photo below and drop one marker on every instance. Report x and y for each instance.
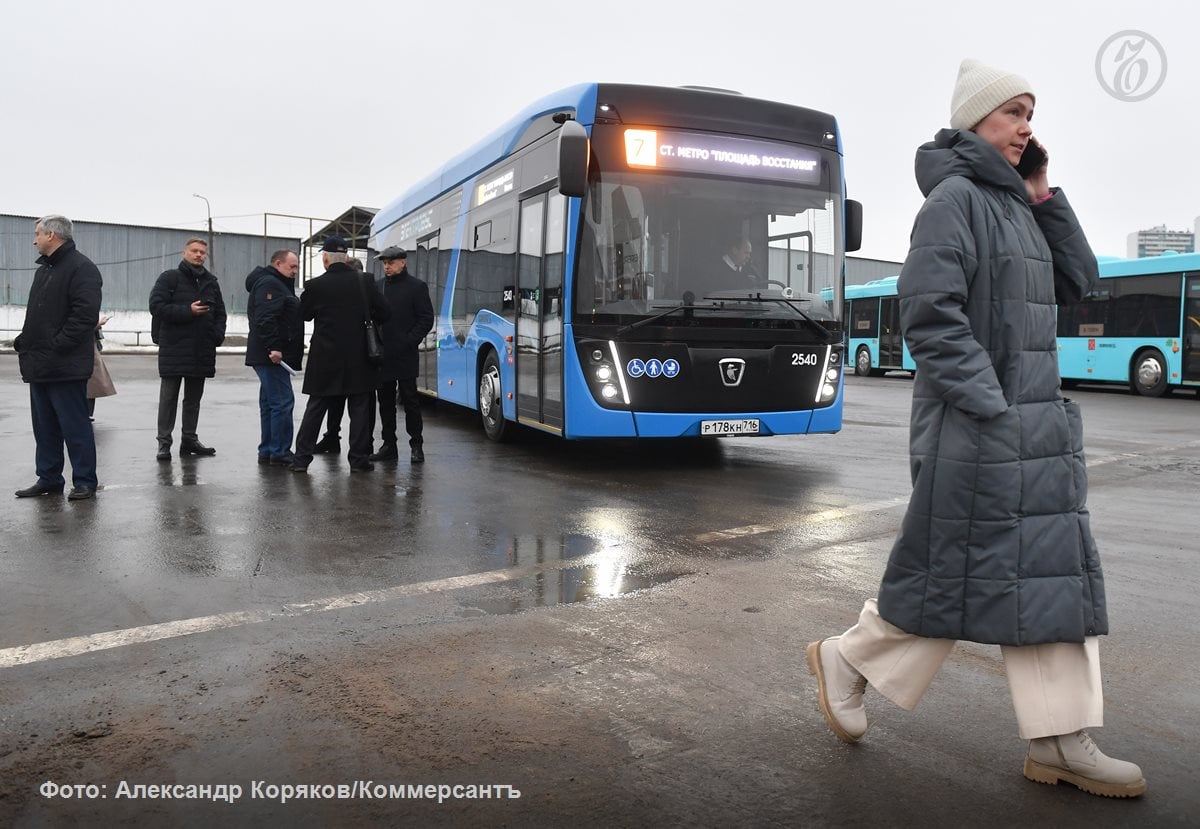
(56, 349)
(412, 318)
(339, 302)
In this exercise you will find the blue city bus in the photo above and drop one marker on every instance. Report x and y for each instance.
(575, 260)
(1140, 325)
(874, 343)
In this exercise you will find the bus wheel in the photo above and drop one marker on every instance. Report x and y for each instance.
(491, 409)
(1149, 375)
(862, 361)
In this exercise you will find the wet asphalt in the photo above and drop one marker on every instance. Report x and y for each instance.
(615, 628)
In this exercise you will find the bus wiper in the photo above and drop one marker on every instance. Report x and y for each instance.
(827, 336)
(633, 326)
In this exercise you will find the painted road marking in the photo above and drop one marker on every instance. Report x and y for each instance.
(78, 645)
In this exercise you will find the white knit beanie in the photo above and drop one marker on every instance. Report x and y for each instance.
(979, 90)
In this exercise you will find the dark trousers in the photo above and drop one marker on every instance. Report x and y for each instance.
(60, 416)
(337, 408)
(168, 404)
(276, 402)
(362, 426)
(410, 400)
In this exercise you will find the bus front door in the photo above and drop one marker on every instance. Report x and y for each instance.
(1191, 330)
(426, 264)
(539, 355)
(891, 344)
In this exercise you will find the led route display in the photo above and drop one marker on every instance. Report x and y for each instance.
(721, 155)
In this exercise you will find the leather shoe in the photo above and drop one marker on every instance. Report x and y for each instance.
(330, 444)
(387, 452)
(363, 467)
(81, 493)
(196, 448)
(1076, 759)
(38, 489)
(840, 690)
(164, 453)
(263, 460)
(418, 454)
(286, 460)
(299, 467)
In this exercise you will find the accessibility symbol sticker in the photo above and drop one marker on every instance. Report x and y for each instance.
(635, 368)
(671, 367)
(653, 368)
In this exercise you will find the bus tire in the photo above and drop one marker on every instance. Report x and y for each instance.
(491, 397)
(1148, 373)
(862, 361)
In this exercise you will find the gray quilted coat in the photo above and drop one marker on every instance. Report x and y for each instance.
(995, 546)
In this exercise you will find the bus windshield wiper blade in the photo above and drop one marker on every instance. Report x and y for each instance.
(633, 326)
(827, 336)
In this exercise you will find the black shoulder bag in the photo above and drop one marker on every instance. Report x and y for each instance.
(374, 341)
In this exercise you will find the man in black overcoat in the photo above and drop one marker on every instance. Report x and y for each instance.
(56, 349)
(189, 324)
(339, 302)
(412, 319)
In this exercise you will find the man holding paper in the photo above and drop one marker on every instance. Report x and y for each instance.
(275, 350)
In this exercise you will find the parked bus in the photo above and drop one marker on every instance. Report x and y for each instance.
(1140, 325)
(874, 344)
(576, 259)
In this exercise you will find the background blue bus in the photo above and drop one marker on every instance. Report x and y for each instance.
(575, 259)
(874, 342)
(1140, 325)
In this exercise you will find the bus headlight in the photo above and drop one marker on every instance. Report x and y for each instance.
(827, 386)
(597, 355)
(604, 373)
(609, 391)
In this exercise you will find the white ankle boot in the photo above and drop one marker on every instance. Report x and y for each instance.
(839, 690)
(1076, 759)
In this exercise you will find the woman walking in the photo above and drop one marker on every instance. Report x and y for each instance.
(995, 546)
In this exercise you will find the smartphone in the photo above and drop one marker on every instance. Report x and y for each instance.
(1031, 160)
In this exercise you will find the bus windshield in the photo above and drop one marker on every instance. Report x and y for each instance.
(728, 247)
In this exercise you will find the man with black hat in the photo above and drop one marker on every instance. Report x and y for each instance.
(412, 318)
(339, 302)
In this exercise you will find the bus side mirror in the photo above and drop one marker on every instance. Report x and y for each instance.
(853, 225)
(573, 151)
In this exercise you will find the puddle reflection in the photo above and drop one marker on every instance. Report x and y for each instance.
(610, 571)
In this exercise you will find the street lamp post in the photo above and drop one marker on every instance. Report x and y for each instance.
(212, 259)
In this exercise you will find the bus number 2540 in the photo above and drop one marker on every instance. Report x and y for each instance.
(799, 359)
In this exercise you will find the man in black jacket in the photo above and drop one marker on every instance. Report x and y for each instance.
(339, 301)
(189, 324)
(412, 319)
(57, 352)
(275, 349)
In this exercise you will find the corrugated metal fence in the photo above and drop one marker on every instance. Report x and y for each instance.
(130, 259)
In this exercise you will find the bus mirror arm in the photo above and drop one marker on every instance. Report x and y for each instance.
(573, 149)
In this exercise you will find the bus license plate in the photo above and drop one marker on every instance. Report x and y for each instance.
(729, 427)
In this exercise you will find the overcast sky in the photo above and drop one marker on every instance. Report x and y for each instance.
(120, 111)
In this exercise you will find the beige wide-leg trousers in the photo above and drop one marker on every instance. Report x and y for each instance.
(1055, 688)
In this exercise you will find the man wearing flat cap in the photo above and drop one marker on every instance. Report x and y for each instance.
(339, 302)
(412, 319)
